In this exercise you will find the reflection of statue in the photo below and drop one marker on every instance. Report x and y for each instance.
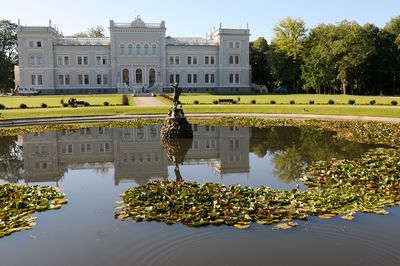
(177, 93)
(176, 150)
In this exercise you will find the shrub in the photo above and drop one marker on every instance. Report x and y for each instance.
(125, 100)
(272, 102)
(253, 101)
(65, 104)
(292, 102)
(86, 104)
(62, 101)
(331, 101)
(2, 106)
(44, 105)
(23, 106)
(352, 101)
(196, 102)
(394, 103)
(106, 103)
(372, 102)
(215, 101)
(234, 102)
(311, 102)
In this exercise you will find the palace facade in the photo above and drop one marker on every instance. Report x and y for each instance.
(137, 57)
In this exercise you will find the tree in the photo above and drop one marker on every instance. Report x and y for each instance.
(289, 40)
(92, 32)
(391, 32)
(259, 61)
(8, 53)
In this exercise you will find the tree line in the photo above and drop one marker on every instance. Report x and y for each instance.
(344, 58)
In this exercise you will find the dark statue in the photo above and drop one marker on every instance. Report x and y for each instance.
(177, 93)
(175, 125)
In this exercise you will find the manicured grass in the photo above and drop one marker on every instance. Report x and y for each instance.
(285, 99)
(55, 100)
(382, 111)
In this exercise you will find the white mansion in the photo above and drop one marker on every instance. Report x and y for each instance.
(136, 56)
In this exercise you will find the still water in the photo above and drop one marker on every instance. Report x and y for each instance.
(94, 165)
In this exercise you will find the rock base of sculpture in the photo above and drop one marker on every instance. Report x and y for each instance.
(176, 126)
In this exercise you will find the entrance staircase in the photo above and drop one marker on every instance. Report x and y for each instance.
(140, 91)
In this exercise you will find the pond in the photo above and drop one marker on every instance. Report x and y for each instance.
(93, 166)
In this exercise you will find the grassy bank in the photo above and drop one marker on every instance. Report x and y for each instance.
(377, 111)
(285, 99)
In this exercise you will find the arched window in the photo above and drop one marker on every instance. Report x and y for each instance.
(146, 48)
(152, 77)
(121, 49)
(125, 76)
(138, 48)
(154, 49)
(139, 76)
(130, 49)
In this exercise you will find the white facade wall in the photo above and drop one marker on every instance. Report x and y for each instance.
(136, 57)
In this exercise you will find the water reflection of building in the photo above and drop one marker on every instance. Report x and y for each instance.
(135, 153)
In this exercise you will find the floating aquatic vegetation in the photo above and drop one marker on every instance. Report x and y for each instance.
(334, 188)
(19, 202)
(13, 131)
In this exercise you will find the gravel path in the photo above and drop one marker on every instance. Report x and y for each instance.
(147, 101)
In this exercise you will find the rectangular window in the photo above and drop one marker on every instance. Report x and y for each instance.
(102, 79)
(189, 78)
(174, 78)
(99, 82)
(35, 60)
(60, 79)
(83, 79)
(231, 60)
(105, 147)
(37, 79)
(192, 60)
(230, 44)
(86, 148)
(67, 80)
(212, 78)
(207, 78)
(209, 60)
(62, 60)
(105, 79)
(236, 60)
(231, 77)
(176, 60)
(237, 44)
(66, 60)
(31, 44)
(171, 60)
(194, 78)
(59, 60)
(39, 44)
(101, 60)
(66, 148)
(83, 60)
(236, 78)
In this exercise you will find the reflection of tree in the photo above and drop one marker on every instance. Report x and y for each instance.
(293, 148)
(11, 160)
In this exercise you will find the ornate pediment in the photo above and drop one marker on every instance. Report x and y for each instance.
(138, 23)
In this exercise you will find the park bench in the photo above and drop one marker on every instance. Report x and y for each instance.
(226, 101)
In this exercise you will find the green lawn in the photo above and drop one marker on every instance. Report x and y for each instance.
(285, 99)
(55, 100)
(383, 111)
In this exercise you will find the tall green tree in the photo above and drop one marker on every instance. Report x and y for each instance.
(92, 32)
(289, 39)
(8, 53)
(391, 33)
(260, 73)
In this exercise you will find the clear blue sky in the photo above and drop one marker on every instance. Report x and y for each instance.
(194, 18)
